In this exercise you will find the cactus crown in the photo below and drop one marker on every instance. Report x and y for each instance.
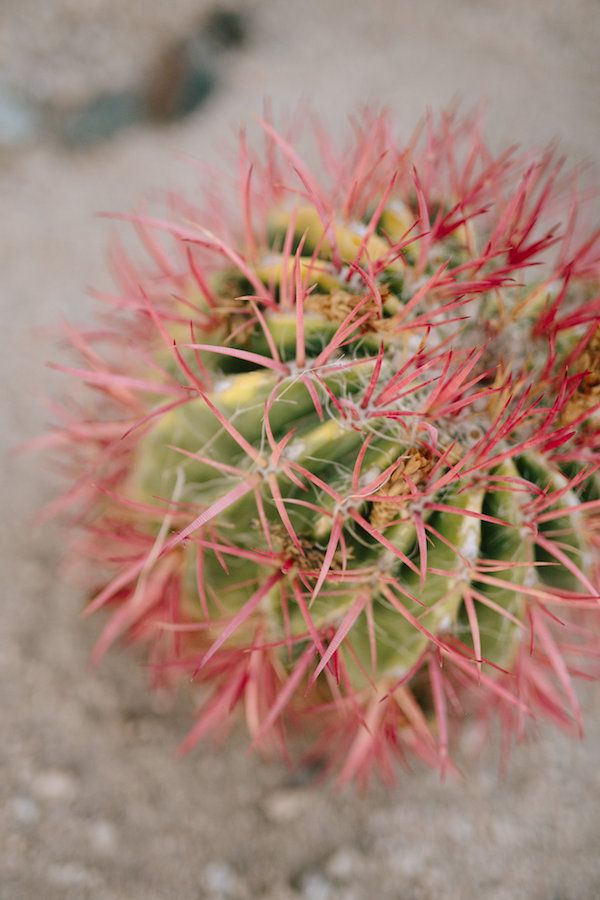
(344, 453)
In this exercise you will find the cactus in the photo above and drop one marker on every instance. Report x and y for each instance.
(342, 463)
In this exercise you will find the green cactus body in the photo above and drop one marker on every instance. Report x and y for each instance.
(374, 485)
(326, 444)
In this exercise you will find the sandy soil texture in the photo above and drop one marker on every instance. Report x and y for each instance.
(93, 801)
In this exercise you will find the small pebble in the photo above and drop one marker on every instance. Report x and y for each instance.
(220, 879)
(103, 836)
(315, 886)
(25, 809)
(344, 864)
(101, 118)
(72, 875)
(410, 862)
(287, 805)
(19, 119)
(180, 81)
(225, 28)
(462, 830)
(54, 785)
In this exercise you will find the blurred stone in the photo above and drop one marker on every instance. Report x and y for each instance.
(315, 886)
(287, 805)
(25, 810)
(54, 784)
(71, 874)
(20, 121)
(225, 27)
(220, 880)
(179, 82)
(101, 118)
(344, 864)
(103, 836)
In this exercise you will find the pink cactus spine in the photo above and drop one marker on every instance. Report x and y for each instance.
(341, 446)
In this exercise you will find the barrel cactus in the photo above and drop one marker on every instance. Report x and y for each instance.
(342, 457)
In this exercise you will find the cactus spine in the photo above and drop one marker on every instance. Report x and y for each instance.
(358, 477)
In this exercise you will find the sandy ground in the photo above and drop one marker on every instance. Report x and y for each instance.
(93, 802)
